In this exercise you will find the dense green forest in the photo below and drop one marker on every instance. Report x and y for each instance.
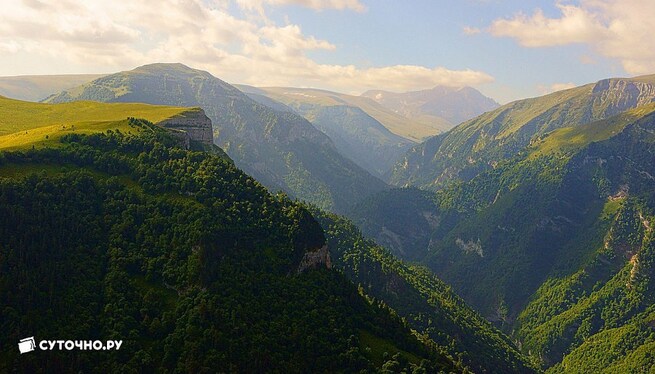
(189, 261)
(425, 302)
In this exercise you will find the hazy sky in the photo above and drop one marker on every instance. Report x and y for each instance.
(508, 49)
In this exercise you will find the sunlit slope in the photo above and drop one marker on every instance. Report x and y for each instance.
(570, 139)
(481, 143)
(25, 124)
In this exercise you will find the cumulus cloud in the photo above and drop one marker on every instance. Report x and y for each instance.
(400, 77)
(467, 30)
(239, 47)
(355, 5)
(620, 29)
(576, 25)
(587, 60)
(546, 89)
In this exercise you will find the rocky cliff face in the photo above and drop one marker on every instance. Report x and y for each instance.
(617, 95)
(194, 123)
(315, 259)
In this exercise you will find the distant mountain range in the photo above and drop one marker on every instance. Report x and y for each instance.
(444, 106)
(38, 87)
(355, 133)
(281, 149)
(373, 130)
(377, 128)
(304, 99)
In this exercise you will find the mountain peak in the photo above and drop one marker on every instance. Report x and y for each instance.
(164, 66)
(170, 68)
(281, 149)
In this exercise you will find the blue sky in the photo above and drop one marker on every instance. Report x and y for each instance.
(430, 33)
(507, 49)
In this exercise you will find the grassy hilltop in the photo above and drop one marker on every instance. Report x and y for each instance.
(25, 124)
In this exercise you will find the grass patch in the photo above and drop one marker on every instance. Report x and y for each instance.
(25, 124)
(569, 139)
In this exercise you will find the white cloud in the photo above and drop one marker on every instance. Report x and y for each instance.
(355, 5)
(587, 60)
(543, 89)
(467, 30)
(562, 86)
(9, 47)
(401, 77)
(620, 29)
(122, 34)
(576, 25)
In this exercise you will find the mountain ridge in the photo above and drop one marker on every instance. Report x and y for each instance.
(414, 131)
(280, 149)
(570, 225)
(354, 132)
(39, 87)
(479, 144)
(26, 124)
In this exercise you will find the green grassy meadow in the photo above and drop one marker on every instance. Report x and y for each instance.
(26, 124)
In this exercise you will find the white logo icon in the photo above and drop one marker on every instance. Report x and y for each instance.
(26, 345)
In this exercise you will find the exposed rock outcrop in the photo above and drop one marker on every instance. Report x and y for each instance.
(194, 123)
(616, 95)
(315, 259)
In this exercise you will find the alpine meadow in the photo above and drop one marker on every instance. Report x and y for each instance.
(327, 186)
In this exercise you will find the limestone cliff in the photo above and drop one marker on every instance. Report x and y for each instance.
(613, 96)
(193, 123)
(315, 259)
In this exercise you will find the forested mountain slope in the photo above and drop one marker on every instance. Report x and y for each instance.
(553, 244)
(428, 304)
(481, 143)
(190, 262)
